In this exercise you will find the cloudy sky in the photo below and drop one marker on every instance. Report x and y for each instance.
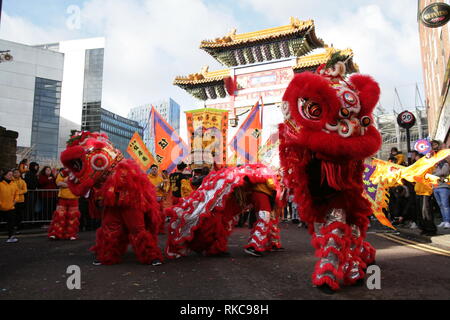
(149, 42)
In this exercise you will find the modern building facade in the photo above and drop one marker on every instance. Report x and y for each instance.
(119, 129)
(81, 92)
(169, 109)
(83, 72)
(92, 89)
(30, 97)
(435, 51)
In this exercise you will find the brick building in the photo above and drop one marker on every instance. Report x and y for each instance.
(435, 52)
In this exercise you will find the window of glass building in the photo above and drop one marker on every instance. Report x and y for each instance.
(45, 125)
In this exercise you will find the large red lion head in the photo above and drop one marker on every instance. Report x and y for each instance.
(332, 116)
(89, 157)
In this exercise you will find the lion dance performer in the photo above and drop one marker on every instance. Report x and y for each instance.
(324, 140)
(203, 221)
(66, 218)
(120, 192)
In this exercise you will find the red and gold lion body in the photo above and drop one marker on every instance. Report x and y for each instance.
(120, 194)
(324, 140)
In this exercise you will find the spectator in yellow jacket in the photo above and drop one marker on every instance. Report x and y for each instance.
(398, 155)
(9, 195)
(20, 205)
(158, 182)
(425, 213)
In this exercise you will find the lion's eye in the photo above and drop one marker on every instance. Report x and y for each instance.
(350, 98)
(365, 121)
(309, 109)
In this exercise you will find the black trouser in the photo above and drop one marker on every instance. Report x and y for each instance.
(20, 211)
(30, 205)
(243, 217)
(425, 215)
(251, 218)
(85, 219)
(9, 217)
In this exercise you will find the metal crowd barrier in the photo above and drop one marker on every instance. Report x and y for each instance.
(39, 206)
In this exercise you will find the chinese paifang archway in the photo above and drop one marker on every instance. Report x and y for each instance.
(259, 65)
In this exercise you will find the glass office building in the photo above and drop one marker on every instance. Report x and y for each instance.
(119, 129)
(45, 125)
(92, 90)
(169, 109)
(30, 99)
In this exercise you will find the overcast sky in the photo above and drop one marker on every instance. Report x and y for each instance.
(149, 42)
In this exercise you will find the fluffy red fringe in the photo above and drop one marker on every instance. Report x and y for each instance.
(111, 245)
(368, 253)
(65, 223)
(145, 246)
(350, 197)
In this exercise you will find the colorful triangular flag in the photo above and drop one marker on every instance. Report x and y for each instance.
(170, 150)
(247, 140)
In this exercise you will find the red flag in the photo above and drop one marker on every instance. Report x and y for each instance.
(247, 140)
(170, 150)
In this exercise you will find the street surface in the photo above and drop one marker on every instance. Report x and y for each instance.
(35, 268)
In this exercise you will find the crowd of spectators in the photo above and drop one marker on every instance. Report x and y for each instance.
(29, 194)
(418, 205)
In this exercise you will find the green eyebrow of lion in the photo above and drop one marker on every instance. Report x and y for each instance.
(72, 140)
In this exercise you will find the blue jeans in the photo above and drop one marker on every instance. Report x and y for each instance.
(442, 196)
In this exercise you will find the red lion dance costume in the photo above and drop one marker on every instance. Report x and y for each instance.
(128, 207)
(324, 140)
(204, 221)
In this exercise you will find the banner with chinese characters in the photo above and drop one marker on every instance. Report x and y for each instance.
(170, 150)
(139, 152)
(247, 140)
(207, 132)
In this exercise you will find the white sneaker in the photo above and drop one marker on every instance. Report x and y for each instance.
(441, 225)
(413, 225)
(447, 225)
(12, 240)
(72, 238)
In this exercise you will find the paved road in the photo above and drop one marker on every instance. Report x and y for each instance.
(35, 268)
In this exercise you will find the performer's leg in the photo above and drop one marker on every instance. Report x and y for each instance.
(355, 266)
(144, 243)
(259, 234)
(331, 239)
(274, 242)
(367, 253)
(73, 219)
(112, 239)
(58, 224)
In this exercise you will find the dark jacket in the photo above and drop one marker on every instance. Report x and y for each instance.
(31, 178)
